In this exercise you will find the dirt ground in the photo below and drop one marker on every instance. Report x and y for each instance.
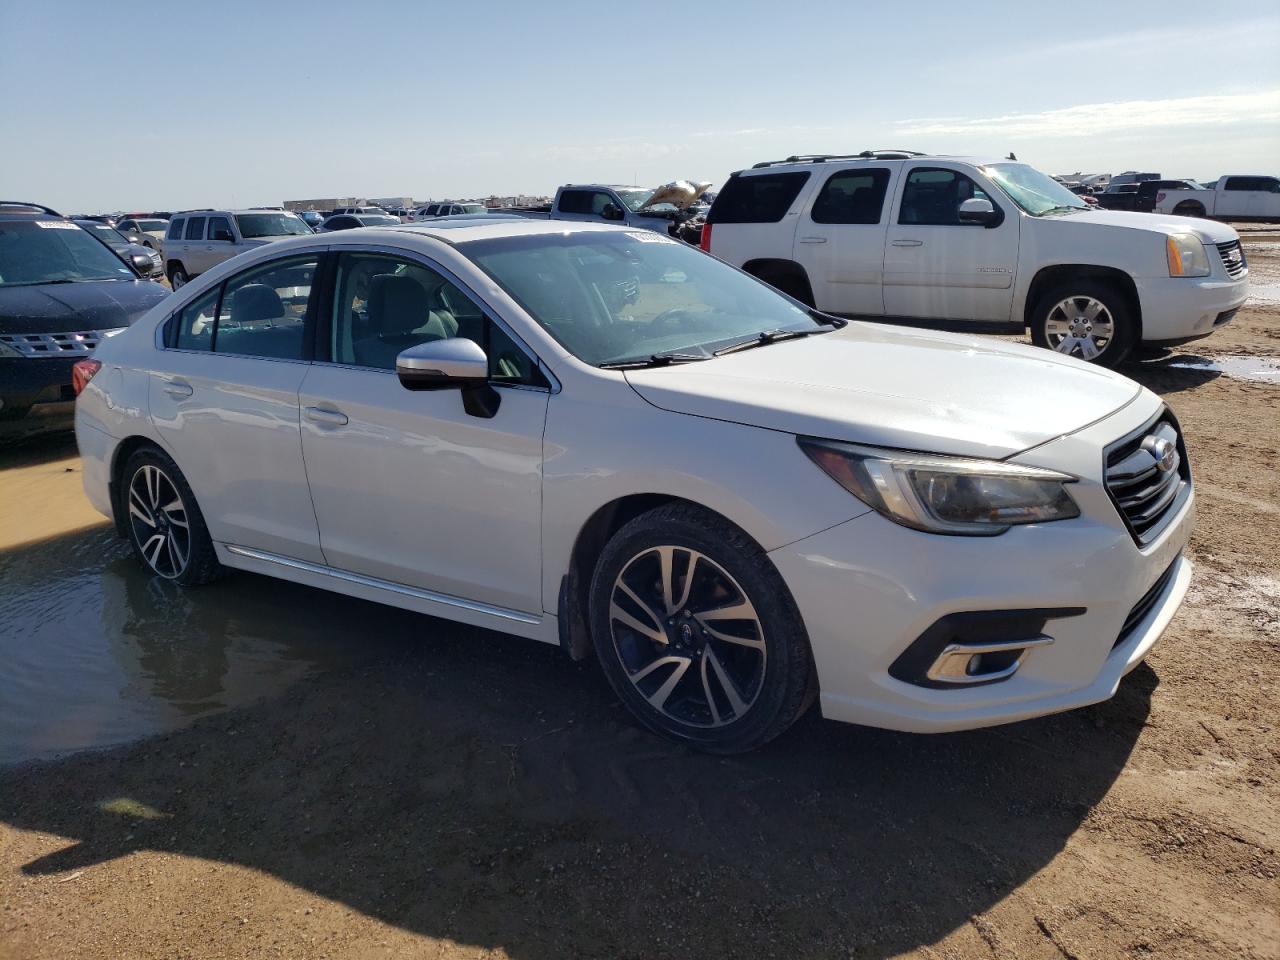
(453, 793)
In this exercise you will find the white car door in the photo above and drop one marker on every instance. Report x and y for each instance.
(224, 400)
(1237, 198)
(840, 241)
(937, 267)
(408, 487)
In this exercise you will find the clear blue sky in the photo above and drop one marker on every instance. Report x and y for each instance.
(164, 105)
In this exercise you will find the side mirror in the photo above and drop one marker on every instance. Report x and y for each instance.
(452, 363)
(143, 264)
(223, 235)
(978, 210)
(611, 212)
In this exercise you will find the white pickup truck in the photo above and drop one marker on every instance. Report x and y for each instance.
(902, 234)
(664, 210)
(1229, 198)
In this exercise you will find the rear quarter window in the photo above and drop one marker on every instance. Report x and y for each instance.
(758, 198)
(175, 229)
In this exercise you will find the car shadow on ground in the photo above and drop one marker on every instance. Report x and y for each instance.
(472, 786)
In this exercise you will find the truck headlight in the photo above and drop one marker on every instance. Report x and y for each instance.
(1187, 257)
(938, 494)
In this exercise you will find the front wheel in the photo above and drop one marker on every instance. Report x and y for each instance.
(1189, 208)
(166, 527)
(1086, 319)
(697, 633)
(178, 276)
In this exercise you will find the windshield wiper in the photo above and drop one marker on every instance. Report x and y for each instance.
(826, 319)
(763, 338)
(653, 360)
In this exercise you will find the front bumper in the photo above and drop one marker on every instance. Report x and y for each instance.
(868, 588)
(1184, 309)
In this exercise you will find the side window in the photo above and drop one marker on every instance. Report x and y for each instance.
(383, 305)
(195, 228)
(932, 197)
(575, 201)
(758, 198)
(1238, 183)
(220, 229)
(192, 327)
(599, 201)
(852, 196)
(263, 310)
(175, 229)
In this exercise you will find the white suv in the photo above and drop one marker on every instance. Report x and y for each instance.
(599, 437)
(900, 234)
(199, 240)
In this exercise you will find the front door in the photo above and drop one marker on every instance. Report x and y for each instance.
(840, 241)
(226, 406)
(937, 267)
(408, 486)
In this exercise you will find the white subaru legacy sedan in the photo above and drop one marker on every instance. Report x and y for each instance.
(608, 440)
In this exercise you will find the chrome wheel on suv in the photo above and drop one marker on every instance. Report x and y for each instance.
(1080, 326)
(1089, 319)
(178, 277)
(688, 637)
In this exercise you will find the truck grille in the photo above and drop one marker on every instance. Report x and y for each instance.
(1148, 477)
(1143, 606)
(75, 344)
(1233, 258)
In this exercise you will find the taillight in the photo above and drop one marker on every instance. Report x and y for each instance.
(82, 372)
(705, 241)
(1160, 197)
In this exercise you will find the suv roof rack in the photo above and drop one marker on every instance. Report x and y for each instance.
(197, 210)
(824, 157)
(35, 206)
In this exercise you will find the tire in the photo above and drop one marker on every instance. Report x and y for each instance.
(178, 276)
(150, 484)
(1066, 319)
(1189, 208)
(719, 684)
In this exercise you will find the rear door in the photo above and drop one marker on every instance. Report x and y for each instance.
(194, 256)
(937, 267)
(225, 403)
(840, 240)
(1267, 204)
(174, 246)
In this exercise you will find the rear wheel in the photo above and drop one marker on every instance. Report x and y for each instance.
(178, 275)
(697, 633)
(1189, 208)
(166, 527)
(1086, 319)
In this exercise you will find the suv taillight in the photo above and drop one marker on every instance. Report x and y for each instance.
(705, 241)
(82, 372)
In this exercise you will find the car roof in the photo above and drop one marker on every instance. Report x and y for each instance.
(462, 230)
(23, 210)
(822, 160)
(219, 212)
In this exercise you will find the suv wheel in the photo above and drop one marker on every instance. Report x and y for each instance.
(1189, 208)
(697, 633)
(1086, 319)
(166, 527)
(178, 276)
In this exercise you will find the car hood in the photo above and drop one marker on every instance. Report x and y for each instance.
(894, 387)
(1207, 230)
(64, 307)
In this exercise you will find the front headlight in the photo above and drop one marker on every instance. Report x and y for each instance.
(941, 494)
(1186, 255)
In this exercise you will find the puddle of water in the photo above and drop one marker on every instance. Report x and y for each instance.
(96, 653)
(1260, 369)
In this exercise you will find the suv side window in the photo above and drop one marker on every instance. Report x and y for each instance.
(175, 228)
(383, 304)
(220, 223)
(195, 228)
(852, 196)
(932, 197)
(759, 198)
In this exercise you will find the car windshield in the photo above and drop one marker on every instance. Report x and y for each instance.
(54, 251)
(1035, 192)
(473, 208)
(376, 220)
(149, 225)
(108, 235)
(613, 297)
(271, 225)
(634, 199)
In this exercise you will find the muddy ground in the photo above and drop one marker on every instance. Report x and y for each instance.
(420, 789)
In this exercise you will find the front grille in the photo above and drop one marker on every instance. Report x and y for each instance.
(1148, 477)
(1143, 606)
(1233, 258)
(76, 344)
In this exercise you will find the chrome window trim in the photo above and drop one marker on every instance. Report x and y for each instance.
(489, 310)
(502, 613)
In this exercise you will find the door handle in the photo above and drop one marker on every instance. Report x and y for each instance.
(813, 239)
(321, 415)
(908, 243)
(178, 389)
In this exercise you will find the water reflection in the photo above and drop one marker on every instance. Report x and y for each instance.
(97, 653)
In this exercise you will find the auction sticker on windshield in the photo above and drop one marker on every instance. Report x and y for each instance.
(649, 237)
(56, 225)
